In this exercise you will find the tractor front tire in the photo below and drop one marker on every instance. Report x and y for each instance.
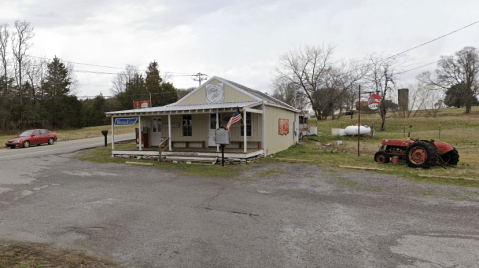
(381, 157)
(451, 158)
(421, 154)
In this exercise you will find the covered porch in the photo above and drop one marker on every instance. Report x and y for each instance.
(188, 132)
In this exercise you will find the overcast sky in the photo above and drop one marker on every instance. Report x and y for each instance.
(237, 40)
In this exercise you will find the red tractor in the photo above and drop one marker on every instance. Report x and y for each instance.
(418, 153)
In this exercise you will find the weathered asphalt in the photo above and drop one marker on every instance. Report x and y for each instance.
(297, 216)
(59, 147)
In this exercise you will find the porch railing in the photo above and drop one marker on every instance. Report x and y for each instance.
(163, 148)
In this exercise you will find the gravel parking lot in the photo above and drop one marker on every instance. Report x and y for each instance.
(270, 215)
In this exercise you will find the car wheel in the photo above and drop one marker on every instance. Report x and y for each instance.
(26, 144)
(12, 147)
(51, 141)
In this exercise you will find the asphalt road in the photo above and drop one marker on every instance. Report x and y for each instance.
(270, 215)
(60, 147)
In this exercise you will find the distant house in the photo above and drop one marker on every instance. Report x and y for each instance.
(268, 125)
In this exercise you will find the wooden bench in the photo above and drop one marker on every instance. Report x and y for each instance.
(242, 142)
(187, 143)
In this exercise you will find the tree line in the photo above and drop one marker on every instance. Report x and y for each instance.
(312, 77)
(41, 93)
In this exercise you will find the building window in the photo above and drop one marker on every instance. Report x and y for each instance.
(248, 125)
(187, 125)
(213, 121)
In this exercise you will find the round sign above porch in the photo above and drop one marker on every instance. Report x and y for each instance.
(215, 93)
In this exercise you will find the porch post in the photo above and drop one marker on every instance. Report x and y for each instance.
(169, 132)
(263, 122)
(112, 134)
(245, 142)
(140, 133)
(217, 127)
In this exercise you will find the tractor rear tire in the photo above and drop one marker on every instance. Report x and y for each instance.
(421, 154)
(451, 158)
(381, 157)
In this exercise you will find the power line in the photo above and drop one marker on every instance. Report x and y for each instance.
(430, 41)
(101, 66)
(418, 67)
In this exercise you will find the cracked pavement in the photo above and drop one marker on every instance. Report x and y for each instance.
(304, 216)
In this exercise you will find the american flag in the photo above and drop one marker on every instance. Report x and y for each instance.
(234, 119)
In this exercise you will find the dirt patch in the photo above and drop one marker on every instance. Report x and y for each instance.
(35, 255)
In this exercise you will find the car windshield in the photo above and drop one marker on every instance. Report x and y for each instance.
(26, 133)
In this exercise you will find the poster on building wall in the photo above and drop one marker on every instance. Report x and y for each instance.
(141, 104)
(283, 126)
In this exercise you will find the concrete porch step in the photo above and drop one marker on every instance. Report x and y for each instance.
(191, 159)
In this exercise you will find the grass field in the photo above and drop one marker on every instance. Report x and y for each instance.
(454, 127)
(74, 134)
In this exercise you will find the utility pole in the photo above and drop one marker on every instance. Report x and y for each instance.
(200, 77)
(359, 119)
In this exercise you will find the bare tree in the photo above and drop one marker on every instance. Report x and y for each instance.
(289, 93)
(305, 68)
(343, 80)
(382, 79)
(460, 69)
(183, 92)
(4, 36)
(320, 78)
(122, 78)
(20, 45)
(75, 85)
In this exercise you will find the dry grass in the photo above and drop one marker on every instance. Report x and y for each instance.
(76, 134)
(459, 129)
(451, 125)
(34, 255)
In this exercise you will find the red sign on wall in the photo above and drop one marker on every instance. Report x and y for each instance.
(283, 126)
(141, 104)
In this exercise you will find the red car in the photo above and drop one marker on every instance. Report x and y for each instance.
(31, 137)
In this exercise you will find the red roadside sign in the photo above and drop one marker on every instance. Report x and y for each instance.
(374, 101)
(141, 104)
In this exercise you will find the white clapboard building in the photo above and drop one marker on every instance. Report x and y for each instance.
(186, 128)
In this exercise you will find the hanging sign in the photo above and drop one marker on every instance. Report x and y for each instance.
(125, 121)
(374, 101)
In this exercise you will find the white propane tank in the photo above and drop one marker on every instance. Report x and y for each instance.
(335, 131)
(353, 130)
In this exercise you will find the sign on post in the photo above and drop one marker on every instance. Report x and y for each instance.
(374, 101)
(125, 121)
(222, 136)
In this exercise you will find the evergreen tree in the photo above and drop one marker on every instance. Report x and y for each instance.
(456, 96)
(59, 109)
(96, 112)
(6, 101)
(153, 84)
(135, 90)
(161, 93)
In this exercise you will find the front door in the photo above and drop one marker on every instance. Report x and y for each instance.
(155, 137)
(214, 124)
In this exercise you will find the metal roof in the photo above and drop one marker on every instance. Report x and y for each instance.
(255, 94)
(198, 108)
